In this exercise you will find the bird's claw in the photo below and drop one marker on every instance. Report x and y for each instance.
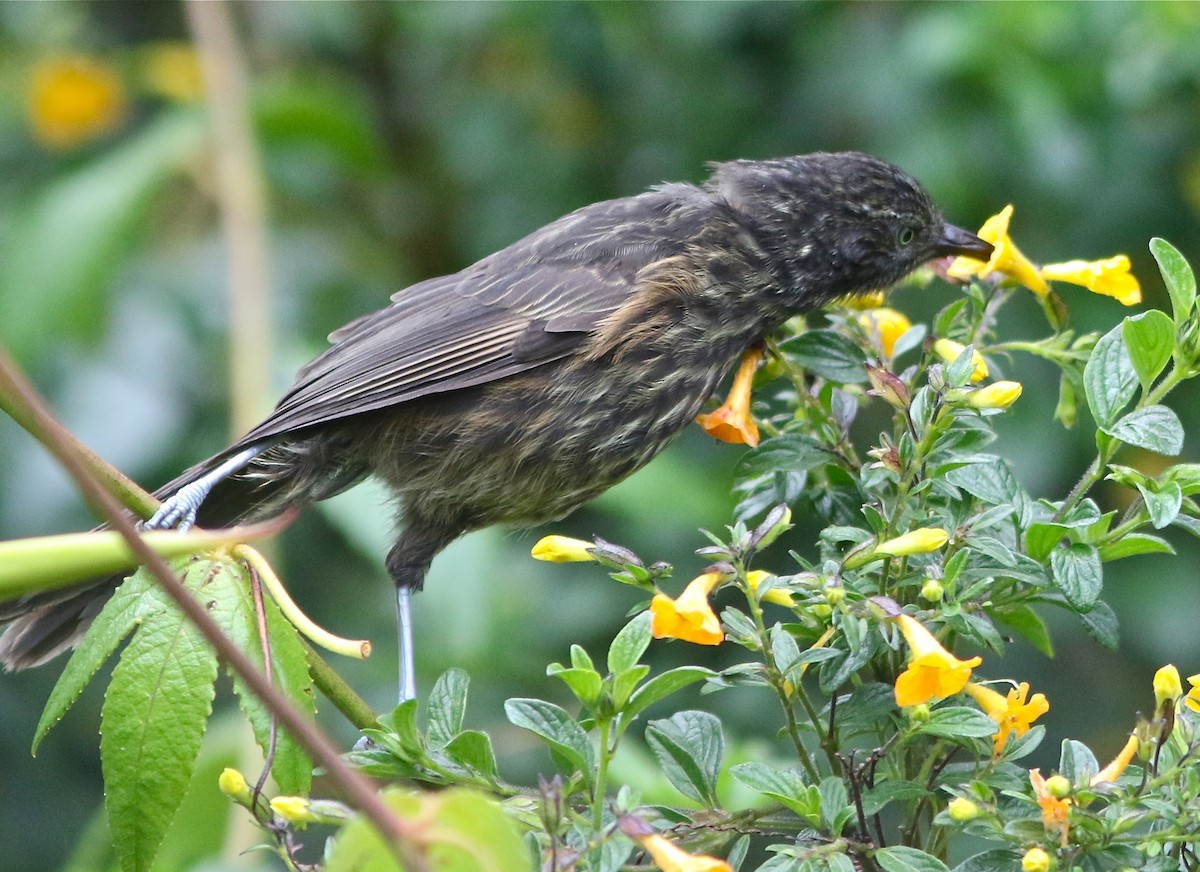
(179, 510)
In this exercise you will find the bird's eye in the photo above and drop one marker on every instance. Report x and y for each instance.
(906, 236)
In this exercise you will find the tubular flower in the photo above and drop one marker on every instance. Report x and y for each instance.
(774, 595)
(73, 100)
(919, 541)
(669, 857)
(562, 549)
(1006, 257)
(949, 350)
(1110, 277)
(732, 422)
(1056, 810)
(997, 395)
(1167, 686)
(888, 324)
(689, 617)
(1113, 770)
(1012, 712)
(933, 671)
(233, 784)
(1193, 696)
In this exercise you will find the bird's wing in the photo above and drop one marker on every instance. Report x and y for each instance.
(526, 305)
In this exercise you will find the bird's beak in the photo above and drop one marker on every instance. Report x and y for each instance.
(957, 242)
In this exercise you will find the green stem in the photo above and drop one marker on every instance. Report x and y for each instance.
(603, 725)
(337, 691)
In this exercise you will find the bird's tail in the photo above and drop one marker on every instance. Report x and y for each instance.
(43, 625)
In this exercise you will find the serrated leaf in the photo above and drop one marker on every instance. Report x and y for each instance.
(1102, 625)
(225, 586)
(1162, 504)
(662, 686)
(789, 453)
(902, 859)
(558, 729)
(995, 860)
(877, 797)
(988, 478)
(1041, 539)
(1155, 428)
(829, 355)
(473, 749)
(152, 722)
(1177, 276)
(785, 785)
(1133, 544)
(446, 707)
(1150, 338)
(1078, 574)
(630, 644)
(135, 597)
(957, 722)
(689, 746)
(1109, 379)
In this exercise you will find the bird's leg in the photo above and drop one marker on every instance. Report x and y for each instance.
(179, 509)
(408, 670)
(732, 422)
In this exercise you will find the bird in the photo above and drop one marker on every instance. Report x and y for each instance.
(518, 389)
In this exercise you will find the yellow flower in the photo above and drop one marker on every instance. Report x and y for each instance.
(689, 617)
(920, 541)
(1012, 712)
(672, 858)
(732, 422)
(1193, 697)
(961, 810)
(1036, 860)
(296, 810)
(886, 324)
(774, 595)
(172, 70)
(1113, 770)
(1056, 810)
(74, 99)
(997, 395)
(1006, 257)
(1110, 277)
(233, 784)
(933, 671)
(1167, 686)
(865, 300)
(562, 549)
(949, 350)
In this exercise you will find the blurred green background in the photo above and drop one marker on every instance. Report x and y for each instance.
(403, 140)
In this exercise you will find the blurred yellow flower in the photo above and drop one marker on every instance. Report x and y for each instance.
(1036, 860)
(998, 395)
(868, 300)
(774, 595)
(1110, 277)
(1006, 257)
(172, 70)
(1056, 809)
(1167, 686)
(1113, 770)
(669, 857)
(1012, 712)
(1193, 696)
(74, 99)
(689, 617)
(887, 325)
(919, 541)
(933, 672)
(233, 784)
(732, 422)
(296, 810)
(562, 549)
(949, 350)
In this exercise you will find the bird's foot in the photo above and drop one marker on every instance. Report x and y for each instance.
(178, 511)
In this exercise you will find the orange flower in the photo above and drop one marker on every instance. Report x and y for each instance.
(689, 617)
(933, 671)
(732, 422)
(74, 99)
(1113, 770)
(669, 857)
(1012, 713)
(1056, 810)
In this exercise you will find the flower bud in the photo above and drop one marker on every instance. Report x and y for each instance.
(835, 594)
(233, 784)
(920, 541)
(949, 350)
(777, 522)
(774, 595)
(1058, 786)
(932, 590)
(293, 809)
(1167, 686)
(820, 611)
(888, 387)
(1036, 860)
(998, 395)
(919, 713)
(961, 810)
(562, 549)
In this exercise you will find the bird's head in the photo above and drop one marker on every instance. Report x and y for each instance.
(839, 224)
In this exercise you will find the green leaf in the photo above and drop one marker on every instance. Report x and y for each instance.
(1078, 574)
(1155, 428)
(630, 644)
(1030, 625)
(1101, 624)
(877, 797)
(446, 707)
(958, 722)
(1133, 544)
(154, 716)
(829, 355)
(136, 597)
(625, 683)
(1162, 504)
(584, 683)
(1150, 338)
(1077, 762)
(663, 685)
(995, 860)
(784, 785)
(225, 586)
(1177, 276)
(1041, 539)
(788, 453)
(989, 478)
(902, 859)
(473, 750)
(836, 809)
(557, 728)
(689, 746)
(1109, 379)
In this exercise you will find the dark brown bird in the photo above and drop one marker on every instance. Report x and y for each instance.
(527, 384)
